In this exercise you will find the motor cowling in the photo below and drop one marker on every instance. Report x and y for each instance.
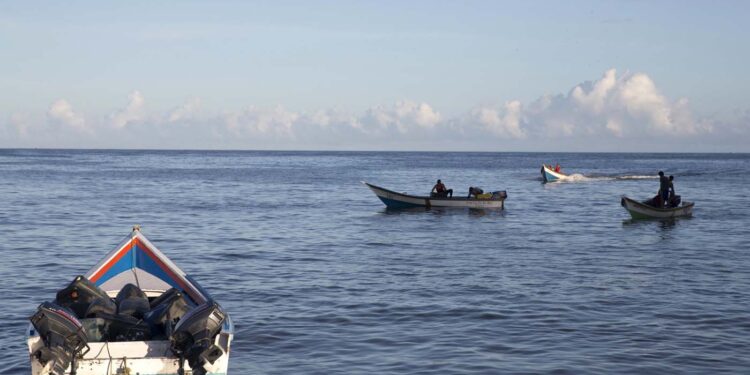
(194, 336)
(166, 311)
(79, 294)
(132, 301)
(63, 337)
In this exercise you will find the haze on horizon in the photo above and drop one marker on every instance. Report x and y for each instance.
(379, 75)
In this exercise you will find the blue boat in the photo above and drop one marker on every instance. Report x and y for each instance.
(549, 174)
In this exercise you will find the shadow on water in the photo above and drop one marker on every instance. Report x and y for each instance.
(663, 224)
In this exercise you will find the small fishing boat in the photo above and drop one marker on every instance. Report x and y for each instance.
(135, 312)
(549, 174)
(392, 199)
(643, 210)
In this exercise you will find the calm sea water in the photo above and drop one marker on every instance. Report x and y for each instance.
(321, 279)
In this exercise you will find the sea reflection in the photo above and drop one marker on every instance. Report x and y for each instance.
(471, 212)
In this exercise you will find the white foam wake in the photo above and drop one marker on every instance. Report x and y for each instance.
(577, 177)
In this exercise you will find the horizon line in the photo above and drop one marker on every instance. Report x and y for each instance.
(378, 151)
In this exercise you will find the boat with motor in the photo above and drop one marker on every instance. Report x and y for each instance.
(549, 174)
(647, 210)
(135, 312)
(392, 199)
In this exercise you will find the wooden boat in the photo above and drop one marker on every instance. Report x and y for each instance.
(642, 210)
(549, 174)
(135, 312)
(393, 199)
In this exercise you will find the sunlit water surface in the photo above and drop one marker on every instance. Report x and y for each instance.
(321, 279)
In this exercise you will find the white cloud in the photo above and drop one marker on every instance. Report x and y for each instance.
(628, 106)
(594, 100)
(505, 123)
(254, 121)
(133, 112)
(612, 111)
(61, 112)
(186, 111)
(404, 116)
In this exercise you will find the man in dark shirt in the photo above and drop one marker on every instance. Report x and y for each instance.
(663, 188)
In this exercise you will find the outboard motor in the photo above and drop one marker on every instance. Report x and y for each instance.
(122, 327)
(194, 337)
(166, 310)
(100, 306)
(63, 337)
(79, 294)
(132, 301)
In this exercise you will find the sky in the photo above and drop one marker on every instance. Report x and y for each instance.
(624, 76)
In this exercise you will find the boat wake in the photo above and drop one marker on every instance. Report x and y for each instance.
(577, 177)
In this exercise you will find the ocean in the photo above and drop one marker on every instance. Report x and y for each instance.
(320, 278)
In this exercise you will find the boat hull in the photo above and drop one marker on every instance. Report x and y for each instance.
(139, 357)
(640, 210)
(396, 200)
(549, 175)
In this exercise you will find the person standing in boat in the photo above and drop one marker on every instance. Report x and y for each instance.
(663, 189)
(440, 191)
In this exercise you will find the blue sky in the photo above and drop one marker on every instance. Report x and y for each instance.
(424, 75)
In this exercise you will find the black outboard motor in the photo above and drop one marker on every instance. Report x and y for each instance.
(194, 337)
(100, 306)
(122, 327)
(132, 301)
(166, 310)
(63, 337)
(79, 294)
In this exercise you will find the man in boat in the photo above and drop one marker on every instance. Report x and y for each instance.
(474, 191)
(440, 191)
(557, 168)
(663, 189)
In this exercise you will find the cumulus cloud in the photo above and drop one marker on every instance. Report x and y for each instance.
(505, 123)
(61, 112)
(186, 111)
(254, 121)
(613, 110)
(133, 111)
(630, 105)
(404, 116)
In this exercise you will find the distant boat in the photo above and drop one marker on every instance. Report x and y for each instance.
(393, 199)
(135, 312)
(642, 210)
(549, 174)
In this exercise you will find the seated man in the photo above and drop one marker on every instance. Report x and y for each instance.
(557, 168)
(440, 191)
(474, 191)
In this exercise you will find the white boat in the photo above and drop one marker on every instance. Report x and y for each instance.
(135, 312)
(549, 174)
(642, 210)
(396, 200)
